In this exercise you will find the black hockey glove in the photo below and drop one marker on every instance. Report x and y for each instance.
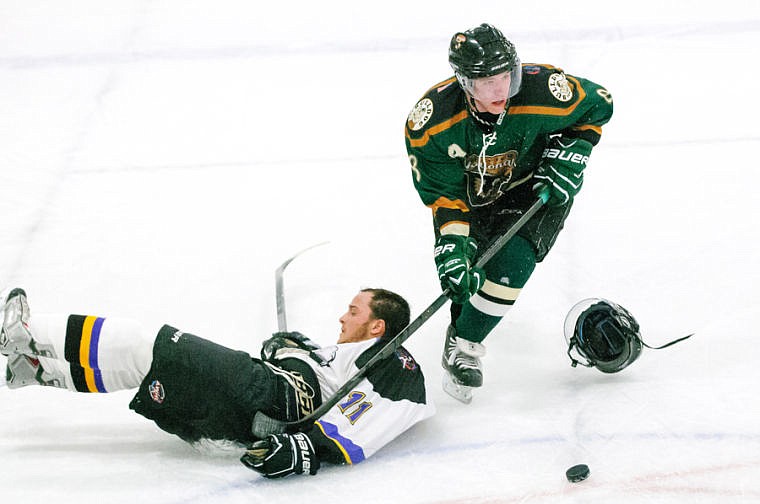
(279, 455)
(290, 340)
(453, 257)
(561, 169)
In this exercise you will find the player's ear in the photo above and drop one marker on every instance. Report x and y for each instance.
(377, 328)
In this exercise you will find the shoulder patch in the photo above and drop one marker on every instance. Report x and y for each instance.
(559, 87)
(407, 361)
(420, 114)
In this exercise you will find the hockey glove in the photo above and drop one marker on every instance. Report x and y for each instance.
(279, 455)
(293, 340)
(453, 257)
(561, 169)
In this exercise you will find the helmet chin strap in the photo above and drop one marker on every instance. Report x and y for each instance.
(574, 342)
(666, 344)
(573, 361)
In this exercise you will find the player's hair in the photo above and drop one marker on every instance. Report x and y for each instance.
(390, 307)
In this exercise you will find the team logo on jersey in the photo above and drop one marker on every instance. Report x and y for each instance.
(420, 114)
(156, 391)
(496, 175)
(407, 361)
(559, 87)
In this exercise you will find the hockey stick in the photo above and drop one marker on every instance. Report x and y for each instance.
(282, 320)
(263, 424)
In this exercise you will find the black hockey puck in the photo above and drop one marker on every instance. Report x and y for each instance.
(577, 473)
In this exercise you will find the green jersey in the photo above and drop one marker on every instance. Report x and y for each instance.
(462, 159)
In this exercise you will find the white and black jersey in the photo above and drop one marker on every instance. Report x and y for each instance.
(389, 400)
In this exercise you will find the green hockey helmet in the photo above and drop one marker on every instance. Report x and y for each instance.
(484, 51)
(602, 334)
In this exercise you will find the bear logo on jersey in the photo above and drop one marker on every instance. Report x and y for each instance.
(496, 169)
(560, 88)
(420, 114)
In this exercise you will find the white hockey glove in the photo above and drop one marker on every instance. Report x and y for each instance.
(279, 455)
(561, 169)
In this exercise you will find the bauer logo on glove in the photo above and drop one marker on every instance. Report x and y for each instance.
(561, 169)
(565, 155)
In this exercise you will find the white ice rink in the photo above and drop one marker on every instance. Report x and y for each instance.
(160, 158)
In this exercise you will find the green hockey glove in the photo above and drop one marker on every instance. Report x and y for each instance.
(561, 169)
(453, 257)
(279, 455)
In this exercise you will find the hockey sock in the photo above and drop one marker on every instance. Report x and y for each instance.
(507, 273)
(93, 354)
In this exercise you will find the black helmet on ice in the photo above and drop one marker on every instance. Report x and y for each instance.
(483, 52)
(602, 334)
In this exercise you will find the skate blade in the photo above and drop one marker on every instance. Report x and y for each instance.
(461, 393)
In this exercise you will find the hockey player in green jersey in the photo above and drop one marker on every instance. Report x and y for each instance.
(482, 144)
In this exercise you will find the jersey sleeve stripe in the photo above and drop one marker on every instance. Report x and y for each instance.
(586, 127)
(455, 228)
(443, 126)
(444, 202)
(551, 111)
(351, 452)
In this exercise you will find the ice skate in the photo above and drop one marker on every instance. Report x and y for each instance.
(464, 371)
(15, 337)
(17, 343)
(23, 370)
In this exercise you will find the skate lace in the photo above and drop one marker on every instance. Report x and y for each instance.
(464, 361)
(460, 359)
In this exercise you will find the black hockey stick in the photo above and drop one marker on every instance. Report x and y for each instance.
(263, 425)
(282, 320)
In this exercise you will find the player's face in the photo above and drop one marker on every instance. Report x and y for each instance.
(491, 93)
(358, 323)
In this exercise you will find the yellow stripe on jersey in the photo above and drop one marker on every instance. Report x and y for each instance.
(551, 111)
(444, 202)
(433, 130)
(346, 456)
(586, 127)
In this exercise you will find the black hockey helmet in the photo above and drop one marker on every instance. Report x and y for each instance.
(484, 51)
(602, 334)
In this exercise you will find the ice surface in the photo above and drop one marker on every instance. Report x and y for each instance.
(160, 158)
